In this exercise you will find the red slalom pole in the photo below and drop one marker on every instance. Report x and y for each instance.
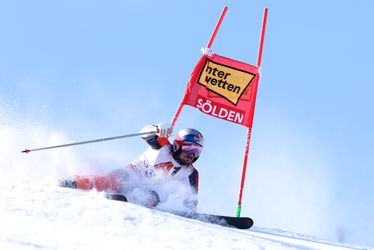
(211, 40)
(244, 170)
(180, 107)
(178, 111)
(246, 150)
(262, 38)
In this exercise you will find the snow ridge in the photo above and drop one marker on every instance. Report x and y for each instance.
(41, 215)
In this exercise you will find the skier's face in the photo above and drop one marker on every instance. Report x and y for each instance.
(186, 158)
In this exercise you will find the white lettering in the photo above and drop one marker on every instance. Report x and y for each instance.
(223, 113)
(231, 115)
(211, 109)
(214, 113)
(239, 118)
(199, 103)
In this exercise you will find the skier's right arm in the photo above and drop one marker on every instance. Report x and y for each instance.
(160, 138)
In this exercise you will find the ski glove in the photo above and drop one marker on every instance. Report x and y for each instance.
(164, 129)
(69, 183)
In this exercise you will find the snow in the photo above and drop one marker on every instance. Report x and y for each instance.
(41, 215)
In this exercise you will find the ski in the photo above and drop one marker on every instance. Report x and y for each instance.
(230, 221)
(237, 222)
(117, 197)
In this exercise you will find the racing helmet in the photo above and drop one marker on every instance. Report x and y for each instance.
(187, 140)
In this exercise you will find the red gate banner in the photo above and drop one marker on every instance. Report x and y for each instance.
(223, 88)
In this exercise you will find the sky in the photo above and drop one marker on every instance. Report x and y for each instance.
(80, 70)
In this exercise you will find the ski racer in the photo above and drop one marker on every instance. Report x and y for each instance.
(164, 171)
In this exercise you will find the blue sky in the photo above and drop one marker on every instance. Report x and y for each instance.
(91, 69)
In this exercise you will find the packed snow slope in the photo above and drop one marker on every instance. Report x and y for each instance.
(41, 215)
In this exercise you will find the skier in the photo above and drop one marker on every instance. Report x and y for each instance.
(163, 170)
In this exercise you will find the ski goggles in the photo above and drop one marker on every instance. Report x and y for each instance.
(192, 148)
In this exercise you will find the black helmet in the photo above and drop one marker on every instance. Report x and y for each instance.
(190, 141)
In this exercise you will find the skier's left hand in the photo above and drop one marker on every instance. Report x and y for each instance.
(68, 182)
(164, 129)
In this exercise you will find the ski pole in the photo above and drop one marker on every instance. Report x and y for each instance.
(90, 141)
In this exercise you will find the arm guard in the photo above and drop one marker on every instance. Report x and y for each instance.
(154, 141)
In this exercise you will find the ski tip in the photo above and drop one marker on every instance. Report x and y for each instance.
(240, 223)
(248, 224)
(26, 151)
(117, 197)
